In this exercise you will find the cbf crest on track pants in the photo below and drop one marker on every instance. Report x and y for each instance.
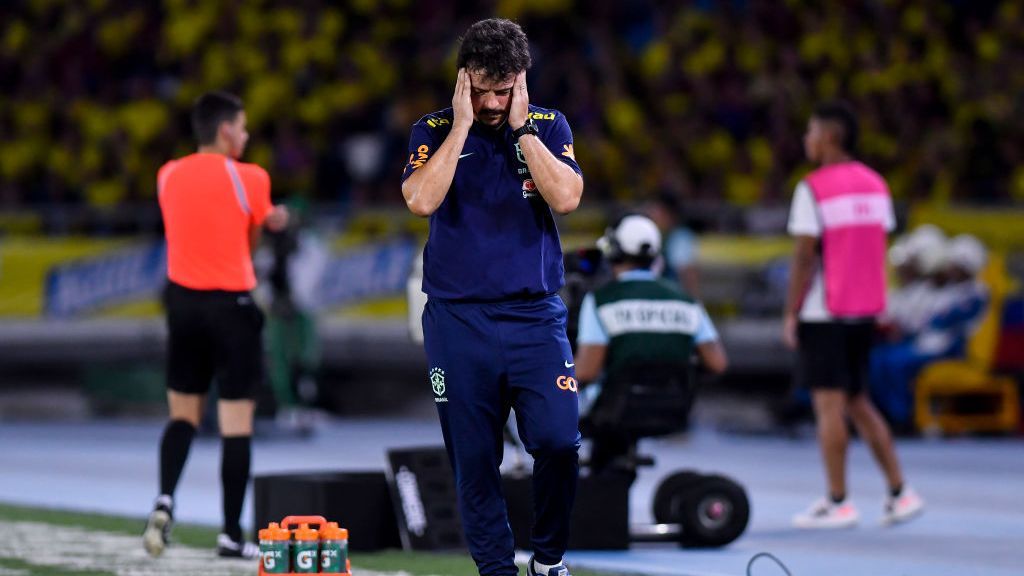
(483, 359)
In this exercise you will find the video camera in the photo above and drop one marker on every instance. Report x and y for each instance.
(586, 269)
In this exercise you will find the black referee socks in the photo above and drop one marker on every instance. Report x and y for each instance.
(174, 448)
(236, 454)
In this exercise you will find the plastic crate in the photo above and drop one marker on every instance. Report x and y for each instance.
(292, 521)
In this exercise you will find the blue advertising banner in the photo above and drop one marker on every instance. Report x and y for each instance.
(368, 272)
(97, 283)
(131, 274)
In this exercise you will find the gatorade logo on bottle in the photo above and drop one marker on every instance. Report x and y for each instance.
(333, 549)
(304, 559)
(305, 549)
(328, 558)
(270, 559)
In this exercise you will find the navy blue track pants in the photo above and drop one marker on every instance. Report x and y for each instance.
(485, 358)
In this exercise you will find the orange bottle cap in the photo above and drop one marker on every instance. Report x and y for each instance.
(304, 532)
(332, 532)
(273, 531)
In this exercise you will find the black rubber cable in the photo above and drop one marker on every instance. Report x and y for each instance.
(750, 564)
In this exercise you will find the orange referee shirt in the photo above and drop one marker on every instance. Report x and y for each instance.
(209, 204)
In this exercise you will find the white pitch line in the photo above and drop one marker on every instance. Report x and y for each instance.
(77, 548)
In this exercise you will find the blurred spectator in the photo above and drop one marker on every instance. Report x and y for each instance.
(918, 260)
(679, 249)
(293, 264)
(956, 310)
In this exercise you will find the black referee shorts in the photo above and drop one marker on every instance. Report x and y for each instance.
(213, 334)
(835, 355)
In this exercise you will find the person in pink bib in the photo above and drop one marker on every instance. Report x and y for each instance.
(840, 217)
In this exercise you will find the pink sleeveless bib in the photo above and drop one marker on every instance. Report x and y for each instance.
(854, 204)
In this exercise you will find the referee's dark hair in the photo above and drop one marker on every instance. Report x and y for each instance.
(210, 110)
(497, 46)
(841, 114)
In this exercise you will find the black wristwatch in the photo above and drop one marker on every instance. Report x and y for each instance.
(529, 128)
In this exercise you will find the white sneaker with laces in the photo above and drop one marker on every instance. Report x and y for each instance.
(902, 508)
(826, 514)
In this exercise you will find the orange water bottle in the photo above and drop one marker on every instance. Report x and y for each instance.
(274, 549)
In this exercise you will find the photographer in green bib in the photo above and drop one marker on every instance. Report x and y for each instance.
(635, 320)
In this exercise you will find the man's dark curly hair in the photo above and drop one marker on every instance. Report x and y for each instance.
(496, 46)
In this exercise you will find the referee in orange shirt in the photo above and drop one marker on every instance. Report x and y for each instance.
(213, 209)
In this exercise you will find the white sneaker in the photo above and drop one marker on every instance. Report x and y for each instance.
(158, 527)
(158, 531)
(825, 515)
(904, 507)
(228, 548)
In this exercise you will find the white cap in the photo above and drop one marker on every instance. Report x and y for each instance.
(634, 233)
(932, 258)
(968, 253)
(925, 237)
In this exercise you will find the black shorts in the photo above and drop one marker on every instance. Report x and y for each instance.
(213, 334)
(835, 355)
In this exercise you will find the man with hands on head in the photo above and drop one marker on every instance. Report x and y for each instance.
(489, 172)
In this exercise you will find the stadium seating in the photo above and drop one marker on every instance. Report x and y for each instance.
(705, 100)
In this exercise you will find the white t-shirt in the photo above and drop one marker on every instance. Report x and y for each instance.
(804, 220)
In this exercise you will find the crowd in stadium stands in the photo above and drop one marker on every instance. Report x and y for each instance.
(704, 100)
(932, 316)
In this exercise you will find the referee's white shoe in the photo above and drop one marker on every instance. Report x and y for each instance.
(228, 548)
(158, 527)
